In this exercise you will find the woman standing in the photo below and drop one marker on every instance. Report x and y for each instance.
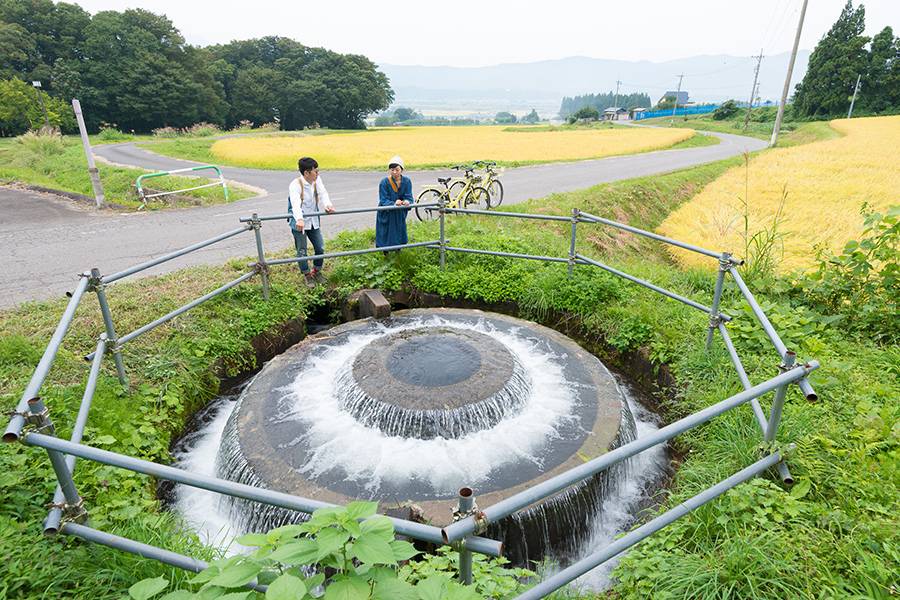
(394, 190)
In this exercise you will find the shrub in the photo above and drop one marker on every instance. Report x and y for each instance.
(110, 133)
(727, 110)
(351, 559)
(165, 132)
(203, 129)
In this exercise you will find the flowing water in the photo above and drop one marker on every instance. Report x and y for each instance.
(374, 456)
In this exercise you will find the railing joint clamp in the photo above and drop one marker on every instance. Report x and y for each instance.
(481, 522)
(75, 513)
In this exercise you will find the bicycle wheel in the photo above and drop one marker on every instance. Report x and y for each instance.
(428, 213)
(495, 190)
(478, 198)
(455, 188)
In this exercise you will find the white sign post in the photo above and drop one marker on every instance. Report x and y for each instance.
(92, 168)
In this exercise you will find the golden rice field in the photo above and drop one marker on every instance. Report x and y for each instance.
(826, 182)
(437, 146)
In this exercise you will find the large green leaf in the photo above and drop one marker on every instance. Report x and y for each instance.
(235, 596)
(178, 595)
(403, 550)
(351, 588)
(394, 589)
(380, 525)
(372, 549)
(147, 588)
(286, 587)
(458, 591)
(432, 588)
(330, 540)
(237, 575)
(253, 539)
(361, 509)
(283, 532)
(300, 552)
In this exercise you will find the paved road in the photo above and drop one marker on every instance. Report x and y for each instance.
(47, 241)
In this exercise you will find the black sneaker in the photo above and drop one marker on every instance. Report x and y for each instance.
(310, 280)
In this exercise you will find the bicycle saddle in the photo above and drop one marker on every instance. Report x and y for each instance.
(444, 180)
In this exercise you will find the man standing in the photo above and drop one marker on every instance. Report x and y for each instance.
(306, 195)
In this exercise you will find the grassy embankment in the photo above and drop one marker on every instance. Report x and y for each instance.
(793, 133)
(833, 535)
(58, 163)
(427, 147)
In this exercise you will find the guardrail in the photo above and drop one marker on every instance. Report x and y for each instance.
(68, 514)
(145, 196)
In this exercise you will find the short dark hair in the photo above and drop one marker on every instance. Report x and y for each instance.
(392, 165)
(307, 164)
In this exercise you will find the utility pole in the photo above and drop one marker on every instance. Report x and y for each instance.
(787, 79)
(855, 90)
(753, 89)
(92, 167)
(37, 90)
(616, 102)
(677, 93)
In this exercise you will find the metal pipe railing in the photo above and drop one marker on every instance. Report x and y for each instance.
(51, 523)
(589, 261)
(649, 234)
(497, 213)
(507, 254)
(167, 257)
(344, 211)
(311, 257)
(168, 317)
(418, 531)
(17, 421)
(631, 538)
(773, 336)
(516, 502)
(144, 197)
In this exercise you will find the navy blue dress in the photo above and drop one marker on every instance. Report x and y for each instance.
(390, 225)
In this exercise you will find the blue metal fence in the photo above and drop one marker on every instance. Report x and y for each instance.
(687, 110)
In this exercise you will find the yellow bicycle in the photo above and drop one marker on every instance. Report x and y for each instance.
(468, 194)
(491, 180)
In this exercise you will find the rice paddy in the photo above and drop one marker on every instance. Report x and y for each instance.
(822, 186)
(442, 146)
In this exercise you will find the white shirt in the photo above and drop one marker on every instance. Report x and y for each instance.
(308, 203)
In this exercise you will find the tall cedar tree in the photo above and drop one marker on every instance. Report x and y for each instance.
(834, 65)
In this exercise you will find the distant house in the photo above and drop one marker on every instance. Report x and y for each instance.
(681, 98)
(615, 113)
(638, 113)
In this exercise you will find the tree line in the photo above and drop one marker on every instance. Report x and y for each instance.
(134, 69)
(601, 102)
(842, 55)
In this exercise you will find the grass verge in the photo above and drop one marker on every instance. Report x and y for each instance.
(793, 133)
(58, 163)
(833, 535)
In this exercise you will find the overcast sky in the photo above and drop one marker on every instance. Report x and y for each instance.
(469, 33)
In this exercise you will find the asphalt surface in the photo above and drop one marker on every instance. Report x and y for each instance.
(47, 241)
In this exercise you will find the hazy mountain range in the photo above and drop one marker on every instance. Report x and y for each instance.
(522, 86)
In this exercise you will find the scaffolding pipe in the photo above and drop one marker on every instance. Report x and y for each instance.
(655, 236)
(572, 241)
(497, 213)
(650, 286)
(256, 224)
(780, 394)
(509, 254)
(17, 421)
(346, 211)
(285, 261)
(464, 506)
(51, 523)
(154, 324)
(724, 262)
(633, 537)
(516, 502)
(418, 531)
(761, 420)
(172, 255)
(99, 289)
(773, 336)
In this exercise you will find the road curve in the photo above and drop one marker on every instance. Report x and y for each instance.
(50, 241)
